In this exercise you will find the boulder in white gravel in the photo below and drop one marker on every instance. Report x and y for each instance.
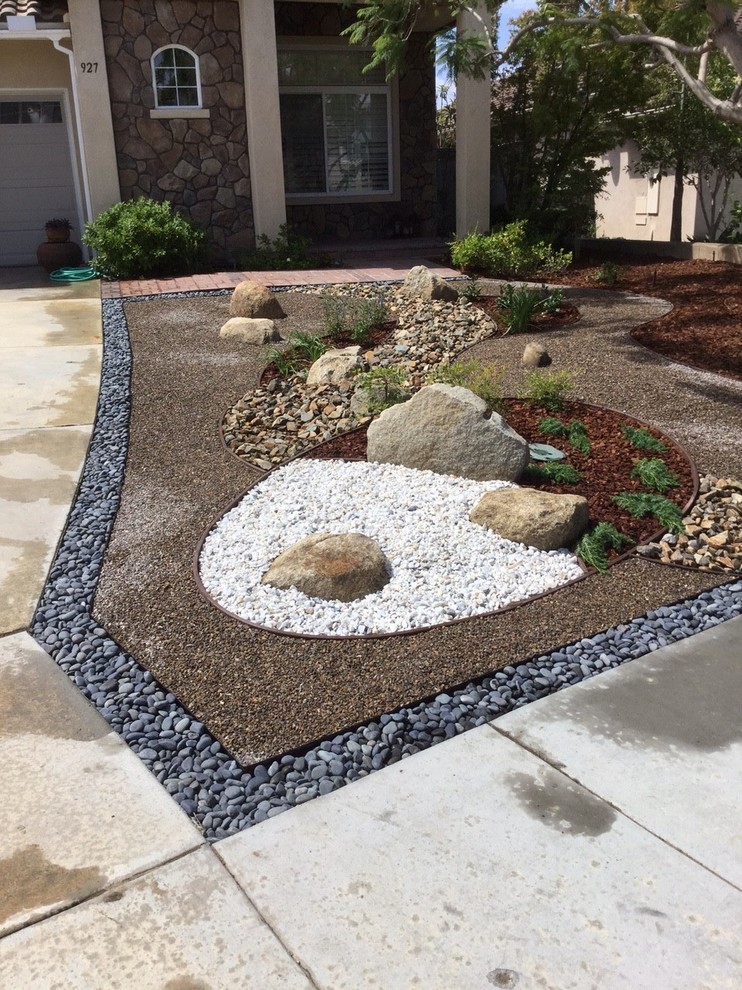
(539, 519)
(335, 365)
(248, 331)
(254, 301)
(335, 567)
(449, 430)
(422, 284)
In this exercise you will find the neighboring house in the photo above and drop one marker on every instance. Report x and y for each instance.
(638, 208)
(243, 113)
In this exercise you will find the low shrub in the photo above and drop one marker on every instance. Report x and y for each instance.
(607, 274)
(578, 437)
(287, 251)
(654, 473)
(470, 290)
(520, 305)
(548, 389)
(641, 504)
(482, 379)
(507, 253)
(593, 547)
(554, 427)
(384, 386)
(143, 238)
(560, 474)
(302, 350)
(347, 318)
(642, 439)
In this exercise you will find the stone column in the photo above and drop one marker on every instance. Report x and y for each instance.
(90, 88)
(472, 144)
(263, 115)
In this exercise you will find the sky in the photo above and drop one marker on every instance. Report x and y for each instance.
(509, 10)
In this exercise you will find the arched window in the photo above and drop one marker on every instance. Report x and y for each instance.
(175, 78)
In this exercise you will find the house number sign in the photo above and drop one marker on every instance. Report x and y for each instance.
(89, 66)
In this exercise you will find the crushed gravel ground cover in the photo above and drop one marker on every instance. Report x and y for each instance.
(263, 694)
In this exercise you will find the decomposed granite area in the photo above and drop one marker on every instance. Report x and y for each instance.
(263, 694)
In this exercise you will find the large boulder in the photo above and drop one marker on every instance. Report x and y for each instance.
(422, 284)
(248, 331)
(448, 429)
(254, 301)
(538, 519)
(336, 567)
(334, 366)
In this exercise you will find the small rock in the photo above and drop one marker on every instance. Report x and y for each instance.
(535, 356)
(249, 331)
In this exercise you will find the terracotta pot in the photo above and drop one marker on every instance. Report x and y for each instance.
(57, 235)
(59, 254)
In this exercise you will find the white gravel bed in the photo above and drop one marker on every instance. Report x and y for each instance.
(443, 566)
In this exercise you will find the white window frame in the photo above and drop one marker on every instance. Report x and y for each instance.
(389, 89)
(177, 111)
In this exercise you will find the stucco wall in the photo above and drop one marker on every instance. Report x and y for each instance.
(416, 205)
(199, 164)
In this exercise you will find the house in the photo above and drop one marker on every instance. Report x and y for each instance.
(245, 114)
(638, 207)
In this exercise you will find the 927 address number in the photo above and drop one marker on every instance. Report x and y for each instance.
(89, 66)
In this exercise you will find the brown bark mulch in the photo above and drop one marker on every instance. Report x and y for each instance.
(262, 694)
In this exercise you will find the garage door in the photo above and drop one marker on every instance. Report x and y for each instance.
(36, 179)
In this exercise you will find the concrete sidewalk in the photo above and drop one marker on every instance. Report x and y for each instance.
(588, 840)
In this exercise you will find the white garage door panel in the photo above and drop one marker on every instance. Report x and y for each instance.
(36, 184)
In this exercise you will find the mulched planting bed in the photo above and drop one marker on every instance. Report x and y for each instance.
(260, 693)
(606, 470)
(704, 328)
(564, 316)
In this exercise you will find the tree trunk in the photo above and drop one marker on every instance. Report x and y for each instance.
(676, 223)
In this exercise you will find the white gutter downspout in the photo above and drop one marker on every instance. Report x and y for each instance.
(57, 42)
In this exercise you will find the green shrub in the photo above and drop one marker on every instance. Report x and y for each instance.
(470, 290)
(141, 238)
(607, 274)
(554, 427)
(593, 546)
(552, 303)
(642, 439)
(578, 437)
(520, 306)
(560, 474)
(507, 253)
(354, 319)
(548, 389)
(641, 504)
(302, 349)
(654, 473)
(482, 379)
(372, 313)
(288, 251)
(384, 386)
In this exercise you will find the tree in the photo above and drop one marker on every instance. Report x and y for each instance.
(679, 135)
(667, 31)
(555, 109)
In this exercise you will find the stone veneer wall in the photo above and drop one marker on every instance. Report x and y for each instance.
(417, 209)
(200, 165)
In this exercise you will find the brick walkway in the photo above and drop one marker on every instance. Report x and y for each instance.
(364, 270)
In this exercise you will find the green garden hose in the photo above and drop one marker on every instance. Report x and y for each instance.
(82, 274)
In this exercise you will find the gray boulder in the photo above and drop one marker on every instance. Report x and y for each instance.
(538, 519)
(248, 331)
(421, 283)
(336, 567)
(448, 429)
(335, 365)
(254, 301)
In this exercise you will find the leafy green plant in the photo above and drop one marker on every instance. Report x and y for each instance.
(507, 253)
(560, 474)
(288, 250)
(142, 238)
(641, 504)
(306, 345)
(286, 363)
(643, 439)
(520, 306)
(384, 386)
(470, 290)
(548, 389)
(593, 547)
(336, 316)
(482, 379)
(607, 274)
(347, 318)
(654, 473)
(554, 427)
(578, 437)
(552, 302)
(372, 313)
